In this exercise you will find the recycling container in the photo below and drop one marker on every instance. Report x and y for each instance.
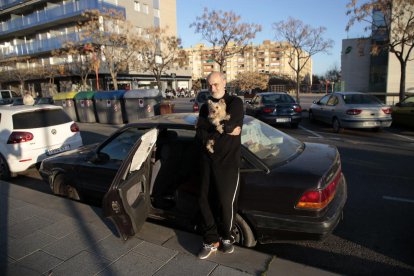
(85, 106)
(67, 101)
(142, 103)
(110, 108)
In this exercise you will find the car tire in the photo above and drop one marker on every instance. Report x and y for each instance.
(64, 189)
(336, 125)
(4, 169)
(311, 117)
(242, 233)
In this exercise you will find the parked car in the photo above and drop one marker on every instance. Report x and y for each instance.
(403, 112)
(351, 110)
(8, 94)
(28, 134)
(44, 100)
(287, 187)
(200, 99)
(11, 101)
(275, 108)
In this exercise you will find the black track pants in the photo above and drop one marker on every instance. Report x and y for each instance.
(218, 199)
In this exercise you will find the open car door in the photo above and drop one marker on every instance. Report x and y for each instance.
(127, 201)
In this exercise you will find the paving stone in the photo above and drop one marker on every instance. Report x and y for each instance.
(24, 212)
(62, 228)
(34, 264)
(18, 248)
(113, 247)
(27, 227)
(134, 264)
(285, 267)
(72, 244)
(155, 233)
(183, 264)
(84, 263)
(155, 251)
(228, 271)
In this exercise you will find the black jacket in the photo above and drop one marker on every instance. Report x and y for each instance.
(226, 147)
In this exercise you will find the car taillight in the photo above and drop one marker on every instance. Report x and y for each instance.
(267, 110)
(19, 137)
(319, 199)
(353, 111)
(387, 110)
(297, 109)
(195, 107)
(74, 127)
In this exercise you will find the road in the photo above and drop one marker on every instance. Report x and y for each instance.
(376, 234)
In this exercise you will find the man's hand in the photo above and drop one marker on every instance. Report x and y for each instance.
(236, 131)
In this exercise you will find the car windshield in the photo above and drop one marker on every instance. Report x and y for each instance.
(272, 146)
(277, 98)
(360, 99)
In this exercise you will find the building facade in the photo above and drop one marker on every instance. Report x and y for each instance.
(270, 57)
(30, 31)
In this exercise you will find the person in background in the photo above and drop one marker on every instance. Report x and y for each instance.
(28, 99)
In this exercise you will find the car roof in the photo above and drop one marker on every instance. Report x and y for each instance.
(348, 93)
(271, 93)
(22, 108)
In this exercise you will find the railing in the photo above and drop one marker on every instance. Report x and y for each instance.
(9, 3)
(53, 14)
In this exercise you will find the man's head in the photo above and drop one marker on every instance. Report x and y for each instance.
(216, 84)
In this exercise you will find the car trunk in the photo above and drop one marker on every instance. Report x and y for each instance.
(280, 109)
(369, 112)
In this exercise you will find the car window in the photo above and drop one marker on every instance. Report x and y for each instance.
(332, 101)
(5, 94)
(267, 143)
(120, 145)
(360, 99)
(324, 100)
(277, 98)
(14, 94)
(256, 100)
(409, 100)
(202, 97)
(40, 118)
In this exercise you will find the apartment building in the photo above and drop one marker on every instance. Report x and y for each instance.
(270, 57)
(31, 30)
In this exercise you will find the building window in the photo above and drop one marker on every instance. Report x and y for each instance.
(145, 9)
(137, 6)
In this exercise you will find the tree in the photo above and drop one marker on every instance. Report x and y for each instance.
(393, 22)
(225, 33)
(158, 52)
(333, 74)
(303, 42)
(251, 80)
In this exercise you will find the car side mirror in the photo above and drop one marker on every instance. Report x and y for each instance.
(99, 158)
(315, 102)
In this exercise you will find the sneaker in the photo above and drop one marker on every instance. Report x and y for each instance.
(207, 250)
(227, 246)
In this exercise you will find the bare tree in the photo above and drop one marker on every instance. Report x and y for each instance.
(251, 80)
(303, 41)
(158, 52)
(393, 22)
(225, 33)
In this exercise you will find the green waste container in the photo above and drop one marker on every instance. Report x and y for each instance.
(85, 106)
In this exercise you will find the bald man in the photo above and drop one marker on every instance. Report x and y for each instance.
(219, 170)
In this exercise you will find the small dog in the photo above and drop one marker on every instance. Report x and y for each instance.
(216, 114)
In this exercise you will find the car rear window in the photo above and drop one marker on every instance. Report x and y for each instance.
(277, 98)
(360, 99)
(40, 118)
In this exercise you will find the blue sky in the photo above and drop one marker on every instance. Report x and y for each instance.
(326, 13)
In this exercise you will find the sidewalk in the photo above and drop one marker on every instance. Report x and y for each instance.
(43, 234)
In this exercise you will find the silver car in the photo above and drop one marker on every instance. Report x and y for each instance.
(351, 110)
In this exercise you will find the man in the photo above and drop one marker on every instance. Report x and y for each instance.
(219, 170)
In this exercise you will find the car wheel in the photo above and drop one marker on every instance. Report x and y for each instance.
(311, 117)
(242, 233)
(60, 187)
(336, 125)
(4, 169)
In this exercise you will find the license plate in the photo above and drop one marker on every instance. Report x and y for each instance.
(58, 150)
(282, 120)
(371, 123)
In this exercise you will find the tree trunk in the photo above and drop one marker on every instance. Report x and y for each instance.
(113, 75)
(402, 80)
(297, 86)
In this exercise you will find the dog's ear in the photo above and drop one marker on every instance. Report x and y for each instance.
(209, 101)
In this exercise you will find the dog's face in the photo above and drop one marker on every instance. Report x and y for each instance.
(217, 109)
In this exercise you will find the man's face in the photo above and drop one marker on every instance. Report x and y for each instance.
(216, 86)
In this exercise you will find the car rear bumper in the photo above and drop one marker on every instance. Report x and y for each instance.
(371, 123)
(269, 226)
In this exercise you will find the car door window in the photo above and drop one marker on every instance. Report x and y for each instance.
(118, 148)
(332, 101)
(256, 100)
(324, 100)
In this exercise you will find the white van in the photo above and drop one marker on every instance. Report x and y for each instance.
(8, 94)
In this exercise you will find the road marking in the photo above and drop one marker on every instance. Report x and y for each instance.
(310, 131)
(401, 136)
(398, 199)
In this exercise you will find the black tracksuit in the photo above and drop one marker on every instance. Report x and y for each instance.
(219, 171)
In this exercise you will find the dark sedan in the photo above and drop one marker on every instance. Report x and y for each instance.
(150, 169)
(275, 108)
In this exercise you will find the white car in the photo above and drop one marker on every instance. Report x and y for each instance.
(29, 134)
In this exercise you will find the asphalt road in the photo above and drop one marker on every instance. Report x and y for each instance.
(376, 234)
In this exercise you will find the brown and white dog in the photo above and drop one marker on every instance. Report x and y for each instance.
(216, 114)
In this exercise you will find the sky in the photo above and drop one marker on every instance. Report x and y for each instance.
(330, 14)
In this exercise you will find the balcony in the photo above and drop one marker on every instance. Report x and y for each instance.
(53, 16)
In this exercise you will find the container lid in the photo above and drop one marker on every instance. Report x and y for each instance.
(65, 95)
(85, 95)
(142, 93)
(109, 95)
